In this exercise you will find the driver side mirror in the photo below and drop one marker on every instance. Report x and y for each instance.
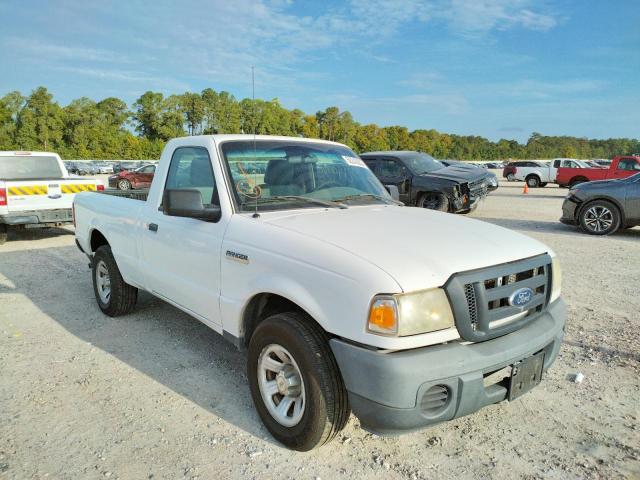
(187, 202)
(393, 191)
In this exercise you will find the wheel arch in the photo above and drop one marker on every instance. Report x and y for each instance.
(97, 239)
(261, 306)
(575, 178)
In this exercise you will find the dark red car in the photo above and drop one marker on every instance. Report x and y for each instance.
(129, 179)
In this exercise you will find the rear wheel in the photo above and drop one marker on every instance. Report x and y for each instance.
(295, 382)
(511, 177)
(600, 217)
(124, 184)
(115, 297)
(533, 181)
(4, 233)
(434, 201)
(577, 181)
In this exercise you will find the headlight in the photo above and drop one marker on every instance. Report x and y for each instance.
(410, 313)
(556, 278)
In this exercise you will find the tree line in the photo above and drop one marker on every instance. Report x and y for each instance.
(110, 129)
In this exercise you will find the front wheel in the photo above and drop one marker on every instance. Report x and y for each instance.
(511, 177)
(600, 218)
(295, 382)
(124, 184)
(115, 297)
(434, 201)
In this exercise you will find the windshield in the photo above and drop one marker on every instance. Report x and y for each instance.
(285, 174)
(26, 167)
(422, 163)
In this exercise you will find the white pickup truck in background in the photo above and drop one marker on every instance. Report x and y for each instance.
(37, 191)
(540, 173)
(345, 300)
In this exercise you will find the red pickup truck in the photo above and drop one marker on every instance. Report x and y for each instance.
(621, 167)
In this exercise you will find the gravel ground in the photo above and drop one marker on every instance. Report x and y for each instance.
(158, 395)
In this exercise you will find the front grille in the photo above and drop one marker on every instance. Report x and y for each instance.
(478, 188)
(481, 298)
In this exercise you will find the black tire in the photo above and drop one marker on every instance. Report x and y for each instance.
(122, 296)
(124, 184)
(326, 405)
(599, 217)
(533, 181)
(4, 233)
(434, 201)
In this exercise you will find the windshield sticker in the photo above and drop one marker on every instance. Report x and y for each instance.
(354, 161)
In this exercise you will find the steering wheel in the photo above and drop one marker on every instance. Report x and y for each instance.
(328, 184)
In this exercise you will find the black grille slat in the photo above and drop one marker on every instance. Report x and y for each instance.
(506, 290)
(480, 298)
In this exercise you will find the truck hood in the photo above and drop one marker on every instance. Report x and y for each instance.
(457, 173)
(419, 248)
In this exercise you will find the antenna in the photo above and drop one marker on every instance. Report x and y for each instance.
(255, 153)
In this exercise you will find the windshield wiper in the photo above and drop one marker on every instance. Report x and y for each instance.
(369, 195)
(317, 201)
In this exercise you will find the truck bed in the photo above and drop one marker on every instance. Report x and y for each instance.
(132, 194)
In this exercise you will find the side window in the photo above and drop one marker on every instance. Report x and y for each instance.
(391, 169)
(628, 164)
(556, 163)
(149, 169)
(191, 168)
(372, 164)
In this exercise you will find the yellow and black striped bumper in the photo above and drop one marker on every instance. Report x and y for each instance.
(23, 190)
(77, 188)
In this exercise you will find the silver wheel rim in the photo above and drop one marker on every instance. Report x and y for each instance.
(281, 385)
(598, 218)
(124, 185)
(511, 177)
(103, 282)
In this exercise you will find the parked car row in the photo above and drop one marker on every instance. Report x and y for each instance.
(89, 167)
(568, 171)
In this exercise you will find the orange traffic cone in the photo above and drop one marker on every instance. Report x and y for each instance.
(526, 189)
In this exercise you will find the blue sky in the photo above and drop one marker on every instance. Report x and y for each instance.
(500, 69)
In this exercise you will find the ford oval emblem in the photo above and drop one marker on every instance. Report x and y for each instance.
(521, 297)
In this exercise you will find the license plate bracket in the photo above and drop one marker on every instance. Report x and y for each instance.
(525, 375)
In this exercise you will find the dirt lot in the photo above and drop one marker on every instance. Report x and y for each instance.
(158, 395)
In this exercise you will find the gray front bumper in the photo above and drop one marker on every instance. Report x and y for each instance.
(31, 217)
(385, 389)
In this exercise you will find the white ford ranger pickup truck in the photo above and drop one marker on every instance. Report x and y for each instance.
(345, 300)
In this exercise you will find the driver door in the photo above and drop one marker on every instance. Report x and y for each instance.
(392, 172)
(182, 255)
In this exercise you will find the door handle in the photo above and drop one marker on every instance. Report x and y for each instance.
(153, 227)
